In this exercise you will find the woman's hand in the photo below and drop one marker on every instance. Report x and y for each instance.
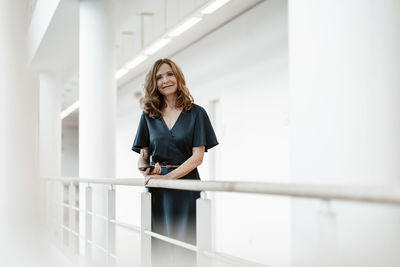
(156, 170)
(153, 176)
(146, 172)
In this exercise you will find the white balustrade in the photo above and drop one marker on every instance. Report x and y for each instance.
(205, 253)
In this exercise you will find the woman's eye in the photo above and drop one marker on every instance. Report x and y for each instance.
(170, 74)
(159, 77)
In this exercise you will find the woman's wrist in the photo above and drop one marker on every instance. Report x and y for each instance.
(169, 176)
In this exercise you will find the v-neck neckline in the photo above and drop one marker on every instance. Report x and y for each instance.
(162, 118)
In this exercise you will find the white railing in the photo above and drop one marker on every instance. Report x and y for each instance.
(377, 194)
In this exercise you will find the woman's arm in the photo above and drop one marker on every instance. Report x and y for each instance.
(189, 165)
(144, 160)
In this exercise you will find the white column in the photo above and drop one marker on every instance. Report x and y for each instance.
(19, 190)
(344, 61)
(97, 96)
(50, 146)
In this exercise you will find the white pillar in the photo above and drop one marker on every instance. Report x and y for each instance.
(97, 97)
(344, 61)
(50, 146)
(19, 190)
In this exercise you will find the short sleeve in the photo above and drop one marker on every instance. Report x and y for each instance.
(204, 134)
(142, 135)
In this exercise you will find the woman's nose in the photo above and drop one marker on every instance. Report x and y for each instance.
(165, 79)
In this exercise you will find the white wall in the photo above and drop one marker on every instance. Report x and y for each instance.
(244, 65)
(70, 168)
(49, 146)
(345, 127)
(70, 151)
(41, 17)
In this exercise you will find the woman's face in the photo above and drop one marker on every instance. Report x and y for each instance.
(166, 80)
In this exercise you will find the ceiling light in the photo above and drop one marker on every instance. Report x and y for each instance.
(214, 6)
(136, 61)
(69, 110)
(184, 26)
(157, 46)
(121, 72)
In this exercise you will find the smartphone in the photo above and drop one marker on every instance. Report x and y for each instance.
(144, 168)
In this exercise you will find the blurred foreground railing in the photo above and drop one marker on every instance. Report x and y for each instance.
(377, 194)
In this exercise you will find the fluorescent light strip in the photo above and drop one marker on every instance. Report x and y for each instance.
(121, 72)
(136, 61)
(214, 6)
(164, 41)
(157, 46)
(184, 26)
(69, 110)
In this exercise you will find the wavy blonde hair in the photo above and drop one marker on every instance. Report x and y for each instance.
(153, 101)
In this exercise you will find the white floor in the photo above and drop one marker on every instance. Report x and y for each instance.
(38, 253)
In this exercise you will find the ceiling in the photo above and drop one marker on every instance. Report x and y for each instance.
(139, 23)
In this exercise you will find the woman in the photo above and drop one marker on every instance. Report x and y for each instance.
(174, 132)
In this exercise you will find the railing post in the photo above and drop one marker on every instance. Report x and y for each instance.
(145, 225)
(203, 229)
(88, 226)
(60, 212)
(110, 226)
(44, 212)
(65, 215)
(72, 218)
(326, 220)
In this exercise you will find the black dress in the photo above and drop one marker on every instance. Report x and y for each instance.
(174, 211)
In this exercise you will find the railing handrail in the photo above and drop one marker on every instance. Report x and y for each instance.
(389, 194)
